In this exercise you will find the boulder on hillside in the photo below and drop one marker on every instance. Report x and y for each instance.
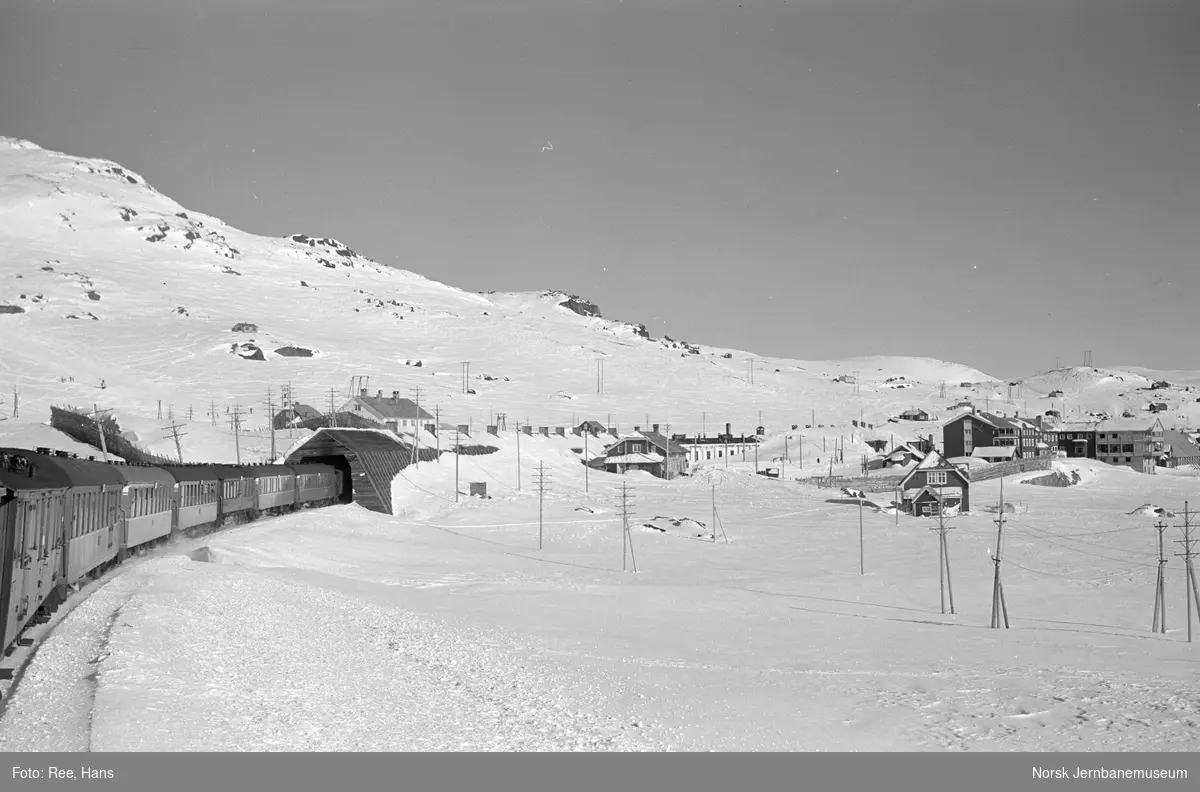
(293, 351)
(244, 327)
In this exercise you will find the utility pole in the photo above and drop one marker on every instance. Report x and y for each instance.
(626, 536)
(1189, 570)
(540, 478)
(235, 420)
(466, 375)
(175, 433)
(801, 452)
(862, 570)
(100, 430)
(437, 434)
(270, 405)
(943, 556)
(417, 425)
(717, 522)
(333, 406)
(1160, 590)
(160, 409)
(783, 464)
(599, 375)
(16, 401)
(999, 607)
(586, 459)
(518, 456)
(456, 456)
(667, 452)
(212, 410)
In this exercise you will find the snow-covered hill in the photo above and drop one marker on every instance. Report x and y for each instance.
(105, 278)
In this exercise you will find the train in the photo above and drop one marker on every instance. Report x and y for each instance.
(66, 520)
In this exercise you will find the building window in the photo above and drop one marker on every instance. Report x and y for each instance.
(1128, 459)
(1102, 448)
(1127, 448)
(936, 478)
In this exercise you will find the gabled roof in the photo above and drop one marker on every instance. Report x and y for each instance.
(661, 442)
(982, 417)
(1181, 445)
(1129, 424)
(994, 451)
(934, 461)
(401, 408)
(1076, 426)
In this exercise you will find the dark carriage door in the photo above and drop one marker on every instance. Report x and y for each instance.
(8, 557)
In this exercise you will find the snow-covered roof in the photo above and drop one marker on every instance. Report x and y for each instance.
(633, 459)
(994, 451)
(1128, 424)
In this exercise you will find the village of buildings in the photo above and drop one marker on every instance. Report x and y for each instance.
(930, 474)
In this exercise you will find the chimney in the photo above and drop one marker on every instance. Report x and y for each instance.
(637, 428)
(395, 395)
(363, 393)
(378, 394)
(728, 430)
(655, 428)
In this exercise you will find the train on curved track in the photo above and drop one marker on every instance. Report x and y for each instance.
(65, 520)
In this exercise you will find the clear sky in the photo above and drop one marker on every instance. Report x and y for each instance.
(994, 182)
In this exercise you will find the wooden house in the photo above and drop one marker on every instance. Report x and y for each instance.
(1136, 443)
(1179, 450)
(902, 456)
(399, 415)
(914, 415)
(933, 484)
(962, 434)
(648, 451)
(295, 415)
(1075, 440)
(720, 447)
(594, 428)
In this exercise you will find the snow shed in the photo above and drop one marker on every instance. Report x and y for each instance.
(368, 460)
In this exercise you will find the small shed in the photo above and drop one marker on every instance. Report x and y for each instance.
(914, 415)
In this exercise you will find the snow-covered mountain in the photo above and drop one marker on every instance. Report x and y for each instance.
(105, 278)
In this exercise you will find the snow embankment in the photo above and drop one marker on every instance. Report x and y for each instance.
(179, 655)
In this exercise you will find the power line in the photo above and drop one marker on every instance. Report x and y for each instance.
(417, 425)
(1189, 578)
(173, 429)
(235, 421)
(270, 405)
(944, 582)
(541, 479)
(626, 537)
(1160, 590)
(999, 607)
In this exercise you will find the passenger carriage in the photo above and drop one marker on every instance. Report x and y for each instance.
(237, 490)
(316, 482)
(31, 534)
(94, 517)
(196, 497)
(147, 505)
(276, 487)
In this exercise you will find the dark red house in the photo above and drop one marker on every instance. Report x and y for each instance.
(935, 484)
